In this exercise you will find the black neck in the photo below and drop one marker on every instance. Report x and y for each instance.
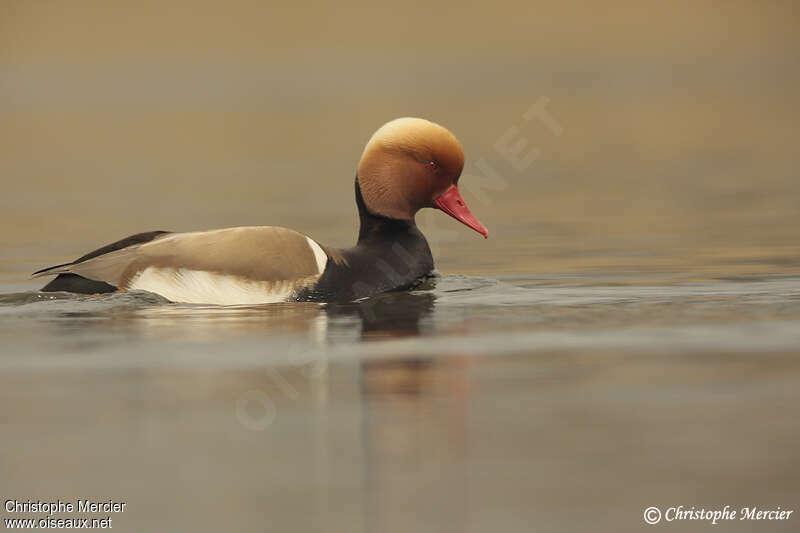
(373, 226)
(390, 254)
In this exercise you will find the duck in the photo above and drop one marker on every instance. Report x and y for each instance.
(408, 164)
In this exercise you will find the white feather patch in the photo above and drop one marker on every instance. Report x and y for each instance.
(199, 287)
(319, 254)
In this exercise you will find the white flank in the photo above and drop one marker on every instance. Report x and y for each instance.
(319, 255)
(199, 287)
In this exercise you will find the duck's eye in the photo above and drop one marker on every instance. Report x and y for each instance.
(432, 165)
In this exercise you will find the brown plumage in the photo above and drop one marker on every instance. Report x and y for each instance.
(407, 165)
(394, 175)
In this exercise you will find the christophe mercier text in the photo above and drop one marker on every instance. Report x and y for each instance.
(60, 506)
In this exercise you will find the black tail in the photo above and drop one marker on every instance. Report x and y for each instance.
(78, 284)
(81, 285)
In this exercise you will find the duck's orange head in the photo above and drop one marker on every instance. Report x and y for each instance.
(412, 163)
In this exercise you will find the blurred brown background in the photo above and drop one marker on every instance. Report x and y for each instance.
(472, 406)
(677, 152)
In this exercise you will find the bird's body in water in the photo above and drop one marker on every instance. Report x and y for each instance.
(409, 164)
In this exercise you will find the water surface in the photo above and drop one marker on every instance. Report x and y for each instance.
(466, 404)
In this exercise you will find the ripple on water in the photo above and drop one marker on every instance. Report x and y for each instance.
(44, 303)
(450, 314)
(460, 290)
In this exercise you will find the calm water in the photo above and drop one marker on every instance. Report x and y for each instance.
(471, 403)
(450, 315)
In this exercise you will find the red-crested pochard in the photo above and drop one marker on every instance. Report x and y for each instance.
(407, 165)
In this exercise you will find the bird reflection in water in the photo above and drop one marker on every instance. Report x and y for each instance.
(415, 417)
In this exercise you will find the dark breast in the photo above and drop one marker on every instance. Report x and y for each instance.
(393, 260)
